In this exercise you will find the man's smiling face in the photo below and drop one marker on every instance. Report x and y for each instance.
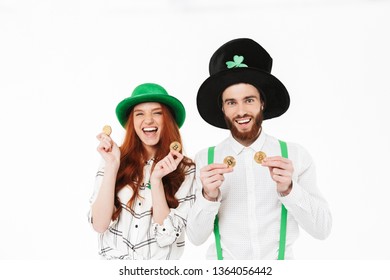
(242, 107)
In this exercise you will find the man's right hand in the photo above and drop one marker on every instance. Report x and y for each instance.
(212, 177)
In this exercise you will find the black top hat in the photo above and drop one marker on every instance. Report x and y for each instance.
(241, 61)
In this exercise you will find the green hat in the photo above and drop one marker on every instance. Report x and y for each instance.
(150, 92)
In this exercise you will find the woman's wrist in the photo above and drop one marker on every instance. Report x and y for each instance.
(111, 167)
(111, 162)
(155, 182)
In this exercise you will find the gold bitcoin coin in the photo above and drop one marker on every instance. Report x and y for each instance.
(230, 161)
(175, 146)
(107, 130)
(260, 156)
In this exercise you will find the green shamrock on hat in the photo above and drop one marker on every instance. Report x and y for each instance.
(237, 62)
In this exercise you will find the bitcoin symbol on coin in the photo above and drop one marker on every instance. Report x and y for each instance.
(230, 161)
(260, 156)
(175, 146)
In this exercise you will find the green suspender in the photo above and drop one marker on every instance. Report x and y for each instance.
(216, 225)
(283, 220)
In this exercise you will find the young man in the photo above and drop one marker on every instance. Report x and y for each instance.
(252, 190)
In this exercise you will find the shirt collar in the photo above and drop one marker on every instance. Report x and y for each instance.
(150, 161)
(255, 146)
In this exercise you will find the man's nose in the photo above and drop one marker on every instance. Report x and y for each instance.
(241, 109)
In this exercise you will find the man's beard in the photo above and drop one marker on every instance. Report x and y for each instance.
(249, 135)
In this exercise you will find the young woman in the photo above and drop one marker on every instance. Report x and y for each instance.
(143, 189)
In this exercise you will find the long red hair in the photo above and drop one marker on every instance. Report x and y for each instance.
(134, 156)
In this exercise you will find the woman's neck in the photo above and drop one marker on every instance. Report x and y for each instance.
(150, 152)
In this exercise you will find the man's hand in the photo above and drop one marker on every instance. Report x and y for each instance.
(281, 170)
(212, 177)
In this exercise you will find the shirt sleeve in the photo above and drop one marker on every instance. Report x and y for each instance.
(305, 201)
(174, 225)
(202, 214)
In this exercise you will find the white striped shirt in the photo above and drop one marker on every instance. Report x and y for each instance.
(134, 235)
(249, 207)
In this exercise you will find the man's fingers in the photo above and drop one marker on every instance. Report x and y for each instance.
(211, 179)
(276, 161)
(215, 185)
(279, 164)
(281, 179)
(216, 168)
(281, 172)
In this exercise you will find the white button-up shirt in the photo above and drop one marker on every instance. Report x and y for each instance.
(249, 207)
(134, 234)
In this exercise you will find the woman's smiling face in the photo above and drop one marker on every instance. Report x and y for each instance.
(148, 123)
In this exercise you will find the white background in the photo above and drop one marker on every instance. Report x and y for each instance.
(64, 66)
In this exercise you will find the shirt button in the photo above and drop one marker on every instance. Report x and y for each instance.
(177, 234)
(139, 203)
(136, 226)
(163, 229)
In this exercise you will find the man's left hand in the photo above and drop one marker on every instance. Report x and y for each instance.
(281, 170)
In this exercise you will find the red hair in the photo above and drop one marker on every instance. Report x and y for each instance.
(133, 158)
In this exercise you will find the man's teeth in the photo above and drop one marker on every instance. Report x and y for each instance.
(243, 121)
(150, 129)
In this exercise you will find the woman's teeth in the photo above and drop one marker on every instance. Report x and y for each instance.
(149, 129)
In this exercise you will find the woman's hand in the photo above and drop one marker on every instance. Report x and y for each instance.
(167, 165)
(108, 149)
